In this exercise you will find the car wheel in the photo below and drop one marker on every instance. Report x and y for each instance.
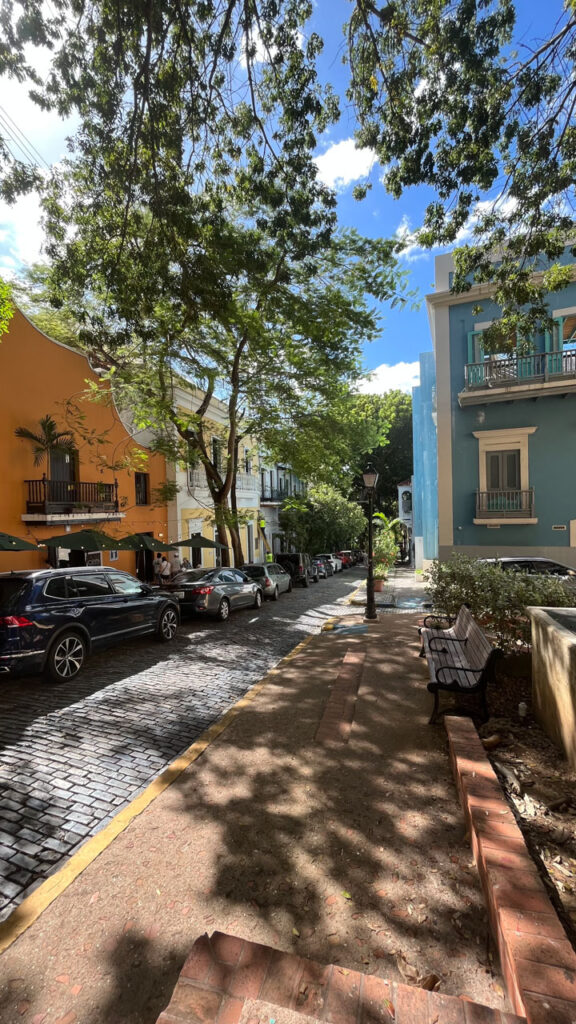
(258, 598)
(65, 658)
(305, 582)
(275, 595)
(223, 612)
(290, 586)
(316, 579)
(167, 625)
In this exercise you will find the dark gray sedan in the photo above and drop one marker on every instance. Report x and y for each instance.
(271, 578)
(214, 591)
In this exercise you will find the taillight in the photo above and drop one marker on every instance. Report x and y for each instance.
(301, 570)
(203, 590)
(267, 582)
(14, 620)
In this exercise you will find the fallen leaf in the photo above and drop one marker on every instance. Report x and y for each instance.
(296, 933)
(431, 982)
(346, 895)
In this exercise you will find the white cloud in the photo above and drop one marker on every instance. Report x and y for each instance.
(262, 53)
(21, 236)
(412, 251)
(344, 163)
(391, 377)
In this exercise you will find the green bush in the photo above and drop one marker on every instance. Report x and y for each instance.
(385, 549)
(496, 597)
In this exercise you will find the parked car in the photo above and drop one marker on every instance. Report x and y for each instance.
(535, 566)
(214, 592)
(346, 559)
(272, 579)
(335, 562)
(323, 567)
(51, 619)
(300, 567)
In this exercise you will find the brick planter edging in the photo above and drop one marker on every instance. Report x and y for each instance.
(538, 961)
(224, 972)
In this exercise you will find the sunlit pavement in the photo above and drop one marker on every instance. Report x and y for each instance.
(72, 755)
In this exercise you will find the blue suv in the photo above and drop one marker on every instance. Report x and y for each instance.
(51, 619)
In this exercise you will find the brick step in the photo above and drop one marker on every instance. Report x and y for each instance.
(228, 980)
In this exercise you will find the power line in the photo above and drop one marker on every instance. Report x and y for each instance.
(20, 139)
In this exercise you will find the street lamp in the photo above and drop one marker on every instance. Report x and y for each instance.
(370, 478)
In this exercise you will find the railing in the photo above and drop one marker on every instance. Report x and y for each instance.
(247, 482)
(53, 496)
(276, 494)
(515, 370)
(505, 504)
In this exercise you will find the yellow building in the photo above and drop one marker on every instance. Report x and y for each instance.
(106, 482)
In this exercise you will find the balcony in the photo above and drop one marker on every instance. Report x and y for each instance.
(52, 500)
(532, 376)
(275, 496)
(506, 506)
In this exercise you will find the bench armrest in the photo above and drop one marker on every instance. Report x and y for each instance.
(456, 668)
(438, 618)
(445, 640)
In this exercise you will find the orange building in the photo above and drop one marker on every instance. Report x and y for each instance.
(106, 482)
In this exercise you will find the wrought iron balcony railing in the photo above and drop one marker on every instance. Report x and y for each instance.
(60, 496)
(275, 494)
(517, 370)
(505, 504)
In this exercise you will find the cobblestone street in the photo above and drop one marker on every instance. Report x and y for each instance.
(71, 756)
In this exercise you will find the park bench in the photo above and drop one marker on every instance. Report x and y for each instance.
(461, 659)
(453, 628)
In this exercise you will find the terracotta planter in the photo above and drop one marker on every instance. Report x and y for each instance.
(379, 585)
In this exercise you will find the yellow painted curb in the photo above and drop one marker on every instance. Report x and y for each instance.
(31, 908)
(354, 594)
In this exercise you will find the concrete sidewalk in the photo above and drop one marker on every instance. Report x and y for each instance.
(317, 823)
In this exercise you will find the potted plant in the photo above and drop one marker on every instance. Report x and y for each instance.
(385, 550)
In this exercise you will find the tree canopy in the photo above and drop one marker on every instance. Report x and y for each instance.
(446, 101)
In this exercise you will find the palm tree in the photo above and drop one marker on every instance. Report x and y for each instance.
(48, 439)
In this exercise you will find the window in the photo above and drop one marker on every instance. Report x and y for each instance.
(247, 461)
(503, 470)
(504, 493)
(142, 483)
(92, 586)
(126, 585)
(56, 588)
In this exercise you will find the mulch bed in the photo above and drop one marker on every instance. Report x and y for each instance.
(539, 784)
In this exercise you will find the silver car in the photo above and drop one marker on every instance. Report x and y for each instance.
(214, 592)
(272, 578)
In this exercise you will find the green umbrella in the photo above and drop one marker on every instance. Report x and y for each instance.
(141, 542)
(83, 540)
(10, 543)
(197, 541)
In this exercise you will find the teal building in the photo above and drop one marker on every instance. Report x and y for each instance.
(506, 429)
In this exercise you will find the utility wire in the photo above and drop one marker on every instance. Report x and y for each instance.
(20, 139)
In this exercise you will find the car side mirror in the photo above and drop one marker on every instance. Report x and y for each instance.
(145, 589)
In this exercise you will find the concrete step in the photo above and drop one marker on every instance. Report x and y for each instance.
(229, 980)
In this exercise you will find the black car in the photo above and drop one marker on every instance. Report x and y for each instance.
(51, 619)
(300, 567)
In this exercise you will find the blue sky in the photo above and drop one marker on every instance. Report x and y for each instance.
(405, 333)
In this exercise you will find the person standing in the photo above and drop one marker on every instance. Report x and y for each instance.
(156, 566)
(165, 571)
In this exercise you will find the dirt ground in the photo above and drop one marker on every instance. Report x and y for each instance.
(540, 786)
(354, 855)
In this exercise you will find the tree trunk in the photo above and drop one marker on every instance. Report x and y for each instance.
(236, 546)
(220, 508)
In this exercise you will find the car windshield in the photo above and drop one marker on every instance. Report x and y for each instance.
(11, 590)
(254, 571)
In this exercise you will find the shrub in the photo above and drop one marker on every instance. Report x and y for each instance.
(496, 597)
(385, 550)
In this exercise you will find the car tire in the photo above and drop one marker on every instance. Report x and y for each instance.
(167, 625)
(275, 595)
(289, 591)
(305, 582)
(257, 599)
(223, 612)
(65, 657)
(316, 579)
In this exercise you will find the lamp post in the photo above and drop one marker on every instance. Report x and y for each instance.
(370, 478)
